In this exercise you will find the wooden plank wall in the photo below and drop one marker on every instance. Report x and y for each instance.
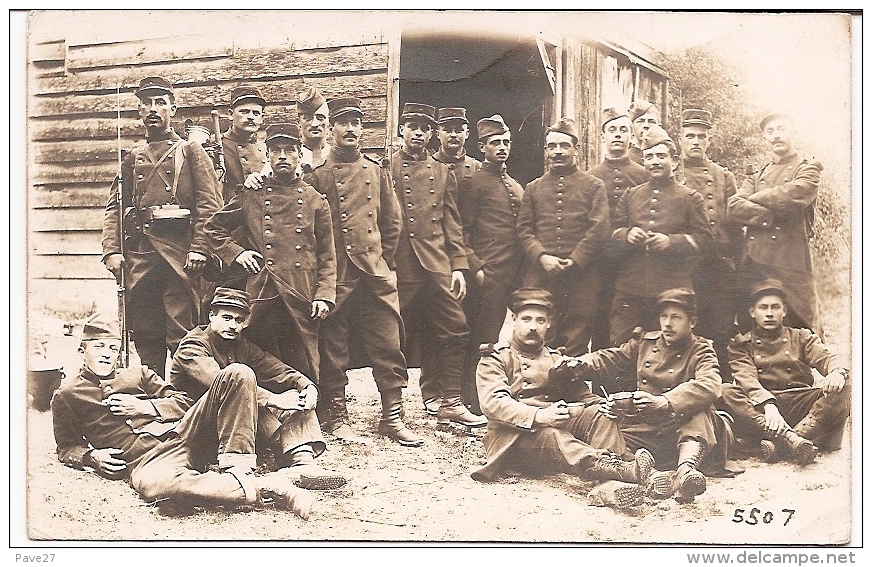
(72, 136)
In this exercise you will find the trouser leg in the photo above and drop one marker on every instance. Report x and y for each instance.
(817, 417)
(575, 297)
(414, 297)
(381, 328)
(287, 333)
(600, 336)
(148, 322)
(485, 306)
(594, 428)
(558, 449)
(629, 312)
(182, 311)
(448, 334)
(715, 285)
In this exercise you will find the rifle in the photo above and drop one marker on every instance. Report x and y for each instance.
(219, 144)
(120, 280)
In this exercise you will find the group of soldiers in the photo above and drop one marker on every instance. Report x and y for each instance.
(304, 257)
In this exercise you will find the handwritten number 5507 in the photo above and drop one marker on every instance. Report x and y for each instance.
(753, 520)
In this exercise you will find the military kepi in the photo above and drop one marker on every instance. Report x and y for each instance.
(768, 286)
(565, 126)
(341, 106)
(283, 130)
(309, 100)
(245, 94)
(418, 111)
(229, 297)
(696, 117)
(154, 86)
(656, 135)
(531, 297)
(681, 296)
(491, 126)
(448, 114)
(101, 326)
(610, 114)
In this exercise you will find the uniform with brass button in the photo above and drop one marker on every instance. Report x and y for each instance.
(289, 225)
(618, 173)
(170, 191)
(565, 215)
(430, 257)
(777, 206)
(774, 366)
(366, 228)
(459, 162)
(489, 201)
(715, 276)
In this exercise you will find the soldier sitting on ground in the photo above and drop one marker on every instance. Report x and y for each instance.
(774, 398)
(537, 412)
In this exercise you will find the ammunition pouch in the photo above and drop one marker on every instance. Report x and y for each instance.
(167, 219)
(132, 226)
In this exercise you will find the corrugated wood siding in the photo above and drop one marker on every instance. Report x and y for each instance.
(72, 126)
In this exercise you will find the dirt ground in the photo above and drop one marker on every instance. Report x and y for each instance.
(425, 494)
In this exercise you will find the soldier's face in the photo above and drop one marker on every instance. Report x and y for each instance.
(453, 134)
(497, 147)
(284, 156)
(101, 355)
(658, 161)
(616, 136)
(768, 312)
(227, 322)
(779, 134)
(560, 149)
(694, 141)
(347, 131)
(156, 112)
(314, 126)
(643, 123)
(531, 324)
(415, 135)
(247, 117)
(675, 324)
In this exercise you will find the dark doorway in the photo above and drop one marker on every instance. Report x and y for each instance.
(505, 76)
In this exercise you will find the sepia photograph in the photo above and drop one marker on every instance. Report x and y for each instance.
(457, 277)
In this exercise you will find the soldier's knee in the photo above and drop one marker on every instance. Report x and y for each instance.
(239, 373)
(733, 394)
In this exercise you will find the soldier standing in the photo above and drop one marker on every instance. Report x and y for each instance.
(644, 115)
(618, 173)
(430, 259)
(660, 230)
(777, 207)
(314, 116)
(170, 191)
(562, 224)
(366, 226)
(489, 201)
(715, 277)
(452, 128)
(288, 251)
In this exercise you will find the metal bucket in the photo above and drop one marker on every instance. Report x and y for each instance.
(41, 385)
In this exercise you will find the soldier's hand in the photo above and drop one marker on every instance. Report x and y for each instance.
(309, 396)
(195, 262)
(555, 415)
(636, 235)
(254, 180)
(290, 400)
(645, 401)
(833, 382)
(320, 309)
(551, 264)
(114, 263)
(106, 461)
(606, 406)
(129, 405)
(479, 277)
(657, 241)
(250, 260)
(458, 285)
(774, 421)
(566, 263)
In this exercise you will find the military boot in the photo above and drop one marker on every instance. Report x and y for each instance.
(612, 467)
(278, 488)
(790, 443)
(306, 474)
(617, 494)
(391, 423)
(686, 482)
(453, 410)
(339, 421)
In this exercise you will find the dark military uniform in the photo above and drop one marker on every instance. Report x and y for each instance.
(686, 374)
(203, 354)
(489, 201)
(290, 225)
(715, 277)
(242, 157)
(664, 207)
(366, 227)
(430, 248)
(777, 367)
(617, 175)
(163, 298)
(80, 418)
(777, 207)
(565, 213)
(512, 385)
(635, 153)
(462, 166)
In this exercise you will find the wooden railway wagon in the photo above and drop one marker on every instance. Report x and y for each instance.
(83, 68)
